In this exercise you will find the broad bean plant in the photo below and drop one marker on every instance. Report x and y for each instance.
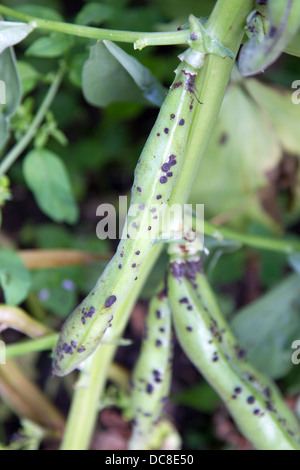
(184, 308)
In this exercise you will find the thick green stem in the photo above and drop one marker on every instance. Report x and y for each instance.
(30, 346)
(226, 25)
(17, 150)
(89, 32)
(264, 243)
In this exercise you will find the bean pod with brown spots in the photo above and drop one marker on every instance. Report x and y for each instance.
(253, 400)
(151, 376)
(155, 176)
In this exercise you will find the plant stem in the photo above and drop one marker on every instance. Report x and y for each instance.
(18, 319)
(89, 32)
(226, 24)
(264, 243)
(17, 150)
(30, 346)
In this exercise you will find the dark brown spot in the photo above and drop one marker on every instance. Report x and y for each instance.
(110, 301)
(181, 122)
(166, 130)
(165, 167)
(223, 139)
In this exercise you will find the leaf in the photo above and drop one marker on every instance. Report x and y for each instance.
(267, 327)
(111, 75)
(12, 33)
(52, 46)
(256, 55)
(293, 48)
(242, 152)
(14, 278)
(201, 397)
(282, 113)
(294, 261)
(28, 75)
(40, 11)
(94, 13)
(47, 177)
(4, 134)
(9, 75)
(56, 289)
(11, 89)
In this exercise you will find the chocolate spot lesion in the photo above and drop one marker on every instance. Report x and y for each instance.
(223, 139)
(110, 301)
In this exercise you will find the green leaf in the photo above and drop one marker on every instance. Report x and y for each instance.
(200, 397)
(29, 77)
(111, 75)
(75, 68)
(293, 48)
(267, 327)
(241, 154)
(12, 33)
(294, 261)
(257, 54)
(282, 113)
(52, 46)
(94, 13)
(9, 75)
(40, 11)
(56, 289)
(14, 278)
(47, 177)
(4, 134)
(11, 90)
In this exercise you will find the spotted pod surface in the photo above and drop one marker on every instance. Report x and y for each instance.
(253, 401)
(151, 376)
(155, 176)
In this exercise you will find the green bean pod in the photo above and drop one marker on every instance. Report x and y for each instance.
(155, 176)
(151, 376)
(253, 401)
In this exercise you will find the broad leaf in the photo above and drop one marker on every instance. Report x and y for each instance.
(12, 33)
(9, 75)
(243, 151)
(40, 11)
(47, 177)
(282, 113)
(52, 46)
(14, 278)
(28, 75)
(267, 327)
(257, 54)
(111, 75)
(94, 13)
